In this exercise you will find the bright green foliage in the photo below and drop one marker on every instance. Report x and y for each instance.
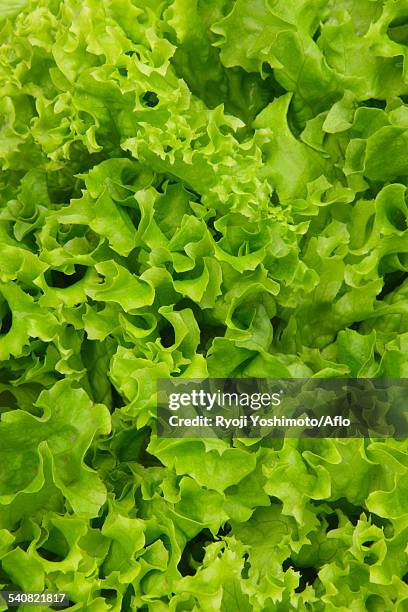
(199, 188)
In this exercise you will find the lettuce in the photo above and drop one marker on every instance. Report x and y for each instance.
(199, 189)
